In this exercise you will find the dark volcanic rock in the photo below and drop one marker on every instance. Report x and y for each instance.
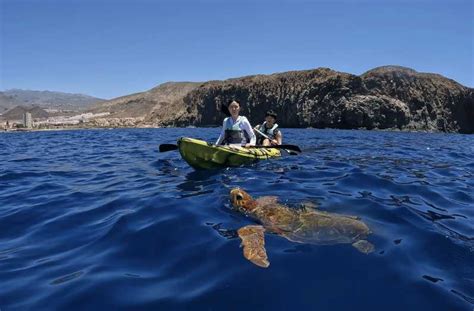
(301, 98)
(435, 102)
(369, 111)
(383, 98)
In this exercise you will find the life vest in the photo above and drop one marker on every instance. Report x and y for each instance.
(270, 132)
(234, 133)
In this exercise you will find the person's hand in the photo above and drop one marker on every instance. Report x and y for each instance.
(274, 142)
(247, 145)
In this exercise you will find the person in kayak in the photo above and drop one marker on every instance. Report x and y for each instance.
(270, 129)
(236, 129)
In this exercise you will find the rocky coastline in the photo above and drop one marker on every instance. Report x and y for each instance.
(384, 98)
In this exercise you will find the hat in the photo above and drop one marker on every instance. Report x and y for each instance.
(271, 113)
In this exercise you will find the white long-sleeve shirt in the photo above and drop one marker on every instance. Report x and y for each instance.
(244, 125)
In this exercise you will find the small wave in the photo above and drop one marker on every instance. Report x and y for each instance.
(91, 214)
(67, 278)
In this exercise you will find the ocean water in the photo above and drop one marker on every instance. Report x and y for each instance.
(100, 220)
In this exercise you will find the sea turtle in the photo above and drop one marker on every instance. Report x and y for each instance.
(305, 225)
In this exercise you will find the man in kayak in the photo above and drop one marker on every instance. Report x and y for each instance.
(236, 129)
(268, 132)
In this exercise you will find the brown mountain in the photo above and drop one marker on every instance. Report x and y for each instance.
(50, 99)
(163, 102)
(17, 112)
(7, 102)
(389, 97)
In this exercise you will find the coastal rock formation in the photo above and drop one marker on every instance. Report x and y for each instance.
(370, 111)
(389, 97)
(435, 102)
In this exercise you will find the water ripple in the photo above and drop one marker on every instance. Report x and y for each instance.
(99, 219)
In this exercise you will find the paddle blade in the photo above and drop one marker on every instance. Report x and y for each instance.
(290, 152)
(168, 147)
(289, 147)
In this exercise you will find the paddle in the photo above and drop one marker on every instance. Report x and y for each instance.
(286, 148)
(168, 147)
(171, 147)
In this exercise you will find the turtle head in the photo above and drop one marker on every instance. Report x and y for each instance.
(242, 200)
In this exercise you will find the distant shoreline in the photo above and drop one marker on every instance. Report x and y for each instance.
(21, 130)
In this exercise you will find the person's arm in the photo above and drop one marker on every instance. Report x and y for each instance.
(279, 137)
(248, 128)
(222, 135)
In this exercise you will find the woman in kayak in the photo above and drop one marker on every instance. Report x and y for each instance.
(270, 129)
(236, 129)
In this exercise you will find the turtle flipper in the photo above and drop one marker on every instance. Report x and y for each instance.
(253, 242)
(363, 246)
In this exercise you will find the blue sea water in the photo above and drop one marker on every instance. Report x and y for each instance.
(100, 220)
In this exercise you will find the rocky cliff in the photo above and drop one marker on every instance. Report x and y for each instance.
(389, 97)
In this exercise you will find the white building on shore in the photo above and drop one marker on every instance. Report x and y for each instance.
(27, 120)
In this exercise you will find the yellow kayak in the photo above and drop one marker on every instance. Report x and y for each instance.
(203, 155)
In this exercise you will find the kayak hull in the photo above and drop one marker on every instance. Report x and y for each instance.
(203, 155)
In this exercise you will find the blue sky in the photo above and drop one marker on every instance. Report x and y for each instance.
(112, 48)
